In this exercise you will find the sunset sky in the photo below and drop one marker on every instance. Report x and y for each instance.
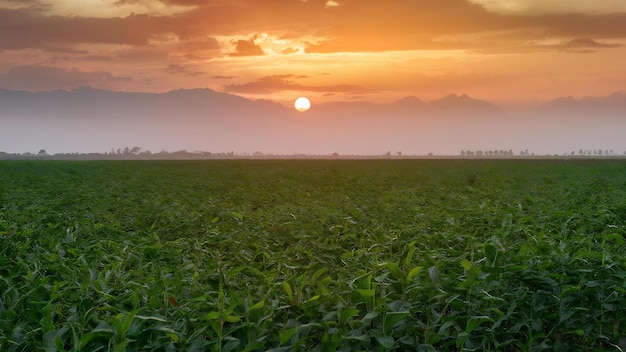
(510, 52)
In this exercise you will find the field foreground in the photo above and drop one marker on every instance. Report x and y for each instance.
(324, 255)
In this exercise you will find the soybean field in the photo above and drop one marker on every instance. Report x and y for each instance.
(313, 255)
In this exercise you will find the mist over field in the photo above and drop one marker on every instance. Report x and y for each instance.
(89, 120)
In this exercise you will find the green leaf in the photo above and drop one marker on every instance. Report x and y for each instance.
(254, 346)
(286, 335)
(232, 319)
(311, 300)
(366, 293)
(364, 338)
(466, 264)
(413, 273)
(409, 256)
(395, 271)
(288, 290)
(391, 319)
(318, 274)
(492, 253)
(370, 316)
(474, 322)
(386, 341)
(85, 340)
(347, 314)
(212, 316)
(143, 317)
(257, 305)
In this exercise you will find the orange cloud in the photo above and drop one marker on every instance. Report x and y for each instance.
(362, 43)
(277, 83)
(247, 48)
(353, 25)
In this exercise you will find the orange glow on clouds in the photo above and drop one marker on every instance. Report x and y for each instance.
(347, 50)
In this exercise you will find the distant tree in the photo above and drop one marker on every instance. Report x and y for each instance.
(42, 152)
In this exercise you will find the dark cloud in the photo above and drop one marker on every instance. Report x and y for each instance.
(25, 29)
(579, 45)
(581, 25)
(374, 25)
(586, 43)
(28, 5)
(180, 69)
(169, 2)
(200, 43)
(223, 77)
(175, 68)
(36, 77)
(189, 2)
(247, 48)
(354, 25)
(276, 83)
(97, 58)
(144, 53)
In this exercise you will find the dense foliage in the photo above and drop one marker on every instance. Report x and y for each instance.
(312, 255)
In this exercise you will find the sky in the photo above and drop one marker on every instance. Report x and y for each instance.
(509, 52)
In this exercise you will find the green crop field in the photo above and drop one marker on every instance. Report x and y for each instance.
(313, 255)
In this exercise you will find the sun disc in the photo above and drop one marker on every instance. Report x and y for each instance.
(302, 104)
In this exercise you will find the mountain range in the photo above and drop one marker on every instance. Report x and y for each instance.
(87, 119)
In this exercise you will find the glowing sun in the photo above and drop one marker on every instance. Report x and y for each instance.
(302, 104)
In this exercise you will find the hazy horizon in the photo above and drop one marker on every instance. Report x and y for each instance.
(524, 57)
(89, 120)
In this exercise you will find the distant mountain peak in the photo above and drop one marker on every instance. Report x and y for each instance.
(464, 104)
(454, 99)
(615, 102)
(409, 101)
